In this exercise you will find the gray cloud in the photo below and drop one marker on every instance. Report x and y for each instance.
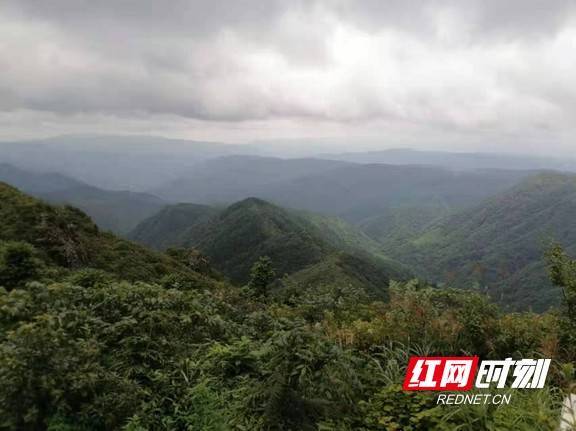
(337, 66)
(510, 19)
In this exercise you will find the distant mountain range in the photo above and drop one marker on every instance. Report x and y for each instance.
(143, 163)
(455, 161)
(133, 163)
(349, 190)
(228, 179)
(118, 211)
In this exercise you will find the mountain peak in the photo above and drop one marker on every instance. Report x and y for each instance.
(250, 202)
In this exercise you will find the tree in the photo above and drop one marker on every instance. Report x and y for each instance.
(563, 274)
(261, 275)
(306, 379)
(192, 259)
(18, 264)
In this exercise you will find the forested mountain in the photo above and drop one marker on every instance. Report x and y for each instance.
(500, 244)
(118, 211)
(235, 237)
(66, 237)
(393, 227)
(353, 191)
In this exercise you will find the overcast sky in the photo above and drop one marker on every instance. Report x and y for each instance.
(457, 74)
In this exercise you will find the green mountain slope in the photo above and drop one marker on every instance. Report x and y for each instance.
(252, 228)
(236, 237)
(108, 354)
(500, 244)
(394, 226)
(67, 238)
(341, 270)
(339, 233)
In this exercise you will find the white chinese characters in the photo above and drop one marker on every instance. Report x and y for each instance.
(527, 373)
(456, 372)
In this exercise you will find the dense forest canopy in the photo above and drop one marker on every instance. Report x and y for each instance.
(99, 333)
(481, 228)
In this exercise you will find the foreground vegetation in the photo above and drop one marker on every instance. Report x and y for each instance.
(96, 344)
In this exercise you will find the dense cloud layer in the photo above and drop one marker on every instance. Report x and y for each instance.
(406, 69)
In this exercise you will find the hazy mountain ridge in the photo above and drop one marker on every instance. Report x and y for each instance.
(128, 162)
(229, 179)
(454, 160)
(118, 211)
(349, 190)
(356, 192)
(35, 182)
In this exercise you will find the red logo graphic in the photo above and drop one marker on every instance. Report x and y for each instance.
(440, 373)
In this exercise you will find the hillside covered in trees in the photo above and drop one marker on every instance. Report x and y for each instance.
(97, 333)
(464, 228)
(300, 244)
(498, 245)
